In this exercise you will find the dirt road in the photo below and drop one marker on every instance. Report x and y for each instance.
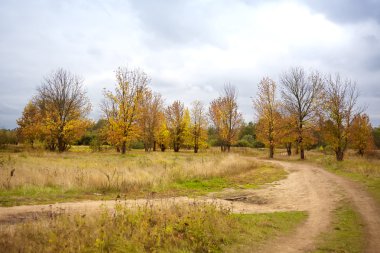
(307, 188)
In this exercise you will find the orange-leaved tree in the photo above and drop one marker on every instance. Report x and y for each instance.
(61, 107)
(340, 108)
(30, 123)
(361, 134)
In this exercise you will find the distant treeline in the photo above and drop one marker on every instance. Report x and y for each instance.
(311, 110)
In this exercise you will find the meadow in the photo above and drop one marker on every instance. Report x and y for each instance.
(35, 176)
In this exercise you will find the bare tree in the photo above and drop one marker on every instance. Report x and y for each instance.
(340, 109)
(301, 96)
(63, 104)
(151, 118)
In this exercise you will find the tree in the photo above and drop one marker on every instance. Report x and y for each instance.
(340, 108)
(63, 106)
(248, 129)
(163, 136)
(288, 134)
(198, 125)
(150, 118)
(226, 118)
(30, 123)
(122, 107)
(267, 109)
(361, 134)
(376, 136)
(175, 123)
(301, 96)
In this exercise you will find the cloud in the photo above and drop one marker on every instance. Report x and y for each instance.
(189, 48)
(347, 11)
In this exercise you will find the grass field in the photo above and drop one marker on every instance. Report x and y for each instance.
(31, 177)
(195, 227)
(346, 233)
(361, 169)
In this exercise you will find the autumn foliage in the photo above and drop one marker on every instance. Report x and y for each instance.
(310, 109)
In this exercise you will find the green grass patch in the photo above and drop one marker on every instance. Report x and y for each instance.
(346, 234)
(249, 179)
(30, 195)
(200, 186)
(260, 228)
(363, 170)
(193, 227)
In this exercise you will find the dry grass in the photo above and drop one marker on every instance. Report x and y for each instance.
(103, 171)
(37, 174)
(193, 227)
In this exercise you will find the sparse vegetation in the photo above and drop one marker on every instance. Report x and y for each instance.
(195, 227)
(362, 169)
(346, 233)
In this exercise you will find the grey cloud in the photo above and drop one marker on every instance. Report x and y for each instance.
(90, 37)
(373, 63)
(347, 11)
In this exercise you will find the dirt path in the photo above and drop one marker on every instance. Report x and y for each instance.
(307, 188)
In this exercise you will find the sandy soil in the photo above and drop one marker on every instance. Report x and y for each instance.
(307, 188)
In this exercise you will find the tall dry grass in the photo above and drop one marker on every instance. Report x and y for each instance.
(113, 172)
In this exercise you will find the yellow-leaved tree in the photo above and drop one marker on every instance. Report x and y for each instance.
(226, 118)
(122, 108)
(163, 136)
(198, 126)
(267, 107)
(175, 124)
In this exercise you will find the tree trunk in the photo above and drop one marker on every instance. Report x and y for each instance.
(228, 147)
(162, 147)
(176, 147)
(361, 152)
(154, 145)
(339, 154)
(196, 148)
(302, 150)
(123, 147)
(271, 151)
(289, 148)
(51, 146)
(61, 144)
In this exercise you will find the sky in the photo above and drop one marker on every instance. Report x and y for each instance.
(190, 49)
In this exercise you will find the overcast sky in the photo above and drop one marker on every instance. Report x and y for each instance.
(190, 49)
